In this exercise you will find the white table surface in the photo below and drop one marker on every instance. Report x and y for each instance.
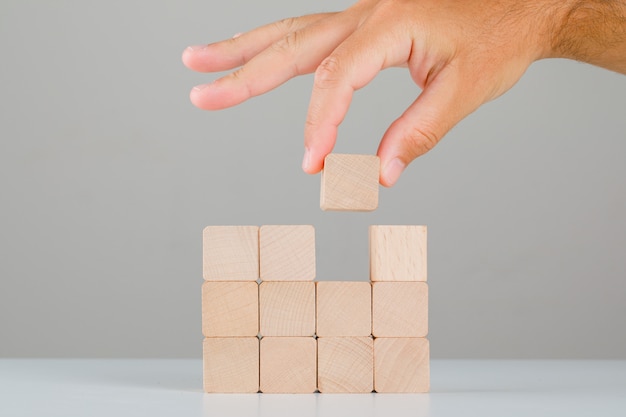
(117, 388)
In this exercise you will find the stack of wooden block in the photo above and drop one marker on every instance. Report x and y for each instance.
(269, 327)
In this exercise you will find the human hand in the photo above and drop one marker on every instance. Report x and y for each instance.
(461, 53)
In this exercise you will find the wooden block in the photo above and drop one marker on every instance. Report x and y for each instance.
(344, 309)
(230, 309)
(399, 309)
(345, 364)
(288, 364)
(287, 308)
(350, 182)
(397, 253)
(287, 253)
(230, 253)
(401, 365)
(231, 364)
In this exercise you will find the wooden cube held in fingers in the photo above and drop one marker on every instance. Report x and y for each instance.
(401, 365)
(350, 182)
(230, 253)
(231, 364)
(230, 309)
(399, 309)
(288, 365)
(345, 364)
(287, 308)
(287, 253)
(344, 308)
(397, 253)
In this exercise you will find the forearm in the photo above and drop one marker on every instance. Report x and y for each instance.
(592, 31)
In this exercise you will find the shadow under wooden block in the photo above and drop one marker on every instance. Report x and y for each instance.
(230, 253)
(287, 253)
(398, 253)
(345, 364)
(288, 365)
(230, 309)
(350, 182)
(399, 309)
(287, 308)
(344, 308)
(231, 365)
(401, 365)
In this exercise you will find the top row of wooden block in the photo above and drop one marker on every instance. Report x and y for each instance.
(287, 253)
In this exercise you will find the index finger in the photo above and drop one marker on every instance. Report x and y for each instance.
(352, 65)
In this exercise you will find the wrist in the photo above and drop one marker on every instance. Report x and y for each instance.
(551, 27)
(591, 31)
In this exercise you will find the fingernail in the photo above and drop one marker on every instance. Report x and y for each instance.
(236, 35)
(393, 170)
(196, 47)
(306, 161)
(200, 87)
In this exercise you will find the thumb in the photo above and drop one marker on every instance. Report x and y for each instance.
(440, 106)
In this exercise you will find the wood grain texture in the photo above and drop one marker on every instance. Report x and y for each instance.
(288, 365)
(399, 309)
(344, 308)
(230, 309)
(231, 364)
(287, 253)
(397, 253)
(230, 253)
(287, 308)
(350, 182)
(401, 365)
(345, 364)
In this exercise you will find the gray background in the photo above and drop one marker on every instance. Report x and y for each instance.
(108, 175)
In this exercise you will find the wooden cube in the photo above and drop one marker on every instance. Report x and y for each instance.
(230, 309)
(344, 309)
(231, 364)
(345, 364)
(397, 253)
(401, 365)
(399, 309)
(287, 253)
(288, 364)
(287, 308)
(230, 253)
(350, 182)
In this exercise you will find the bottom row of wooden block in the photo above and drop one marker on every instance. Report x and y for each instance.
(309, 364)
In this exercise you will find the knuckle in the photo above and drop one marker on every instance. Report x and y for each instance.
(287, 44)
(420, 140)
(286, 24)
(238, 78)
(238, 74)
(386, 8)
(310, 123)
(327, 73)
